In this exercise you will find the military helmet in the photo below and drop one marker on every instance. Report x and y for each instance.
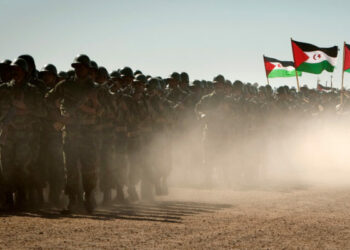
(102, 71)
(29, 60)
(219, 79)
(63, 75)
(141, 78)
(176, 76)
(50, 68)
(5, 64)
(82, 59)
(70, 74)
(115, 74)
(228, 83)
(184, 77)
(197, 83)
(138, 72)
(153, 83)
(262, 89)
(281, 90)
(21, 63)
(162, 83)
(237, 85)
(127, 72)
(93, 65)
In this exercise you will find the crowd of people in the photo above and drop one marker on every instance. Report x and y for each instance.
(86, 129)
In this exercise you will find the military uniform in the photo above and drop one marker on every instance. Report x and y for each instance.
(122, 121)
(21, 108)
(79, 109)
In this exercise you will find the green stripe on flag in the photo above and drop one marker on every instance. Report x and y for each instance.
(316, 68)
(282, 73)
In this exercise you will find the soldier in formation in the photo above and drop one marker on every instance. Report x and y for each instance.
(85, 131)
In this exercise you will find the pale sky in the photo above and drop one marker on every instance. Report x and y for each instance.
(203, 38)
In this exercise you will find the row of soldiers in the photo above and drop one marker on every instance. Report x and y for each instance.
(86, 129)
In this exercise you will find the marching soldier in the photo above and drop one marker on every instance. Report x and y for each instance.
(79, 110)
(21, 108)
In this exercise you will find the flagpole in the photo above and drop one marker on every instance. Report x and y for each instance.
(342, 78)
(296, 73)
(331, 81)
(267, 77)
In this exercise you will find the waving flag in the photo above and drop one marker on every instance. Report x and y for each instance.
(277, 68)
(346, 64)
(312, 59)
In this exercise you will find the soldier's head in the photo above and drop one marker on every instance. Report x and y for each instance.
(127, 76)
(282, 93)
(175, 80)
(32, 72)
(70, 74)
(196, 86)
(141, 78)
(262, 92)
(5, 71)
(82, 66)
(115, 81)
(139, 87)
(153, 86)
(184, 80)
(138, 72)
(268, 91)
(304, 90)
(19, 70)
(102, 75)
(93, 70)
(62, 75)
(228, 87)
(219, 83)
(48, 74)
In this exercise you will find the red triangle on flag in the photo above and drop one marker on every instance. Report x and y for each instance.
(299, 55)
(268, 67)
(346, 58)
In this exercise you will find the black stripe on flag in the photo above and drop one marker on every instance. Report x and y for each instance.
(307, 47)
(284, 63)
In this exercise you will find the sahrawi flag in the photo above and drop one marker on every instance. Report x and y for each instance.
(346, 66)
(277, 68)
(312, 59)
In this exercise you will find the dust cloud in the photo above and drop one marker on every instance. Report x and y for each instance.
(295, 148)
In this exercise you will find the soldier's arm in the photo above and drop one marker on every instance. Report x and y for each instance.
(56, 93)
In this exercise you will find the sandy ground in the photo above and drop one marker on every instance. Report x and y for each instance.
(286, 218)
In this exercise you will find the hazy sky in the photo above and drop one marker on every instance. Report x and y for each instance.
(202, 37)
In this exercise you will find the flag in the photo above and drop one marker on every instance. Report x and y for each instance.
(277, 68)
(346, 63)
(312, 59)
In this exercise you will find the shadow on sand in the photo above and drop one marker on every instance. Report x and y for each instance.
(158, 211)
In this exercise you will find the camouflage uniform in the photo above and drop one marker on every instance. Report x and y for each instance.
(107, 171)
(76, 96)
(18, 134)
(122, 105)
(139, 135)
